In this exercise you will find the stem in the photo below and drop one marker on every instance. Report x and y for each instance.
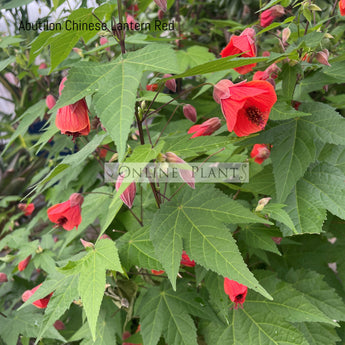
(140, 127)
(122, 32)
(173, 113)
(332, 13)
(106, 27)
(154, 98)
(135, 216)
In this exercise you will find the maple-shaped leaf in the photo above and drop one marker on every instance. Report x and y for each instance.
(114, 87)
(194, 221)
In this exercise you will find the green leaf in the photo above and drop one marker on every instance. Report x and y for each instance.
(114, 86)
(276, 212)
(318, 333)
(5, 63)
(283, 111)
(289, 78)
(92, 278)
(193, 56)
(334, 155)
(194, 221)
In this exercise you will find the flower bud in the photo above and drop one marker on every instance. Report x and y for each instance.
(42, 66)
(59, 325)
(103, 41)
(189, 112)
(131, 21)
(171, 83)
(129, 194)
(162, 4)
(285, 35)
(160, 14)
(50, 101)
(262, 203)
(3, 277)
(24, 263)
(322, 57)
(206, 128)
(222, 90)
(260, 153)
(87, 244)
(105, 237)
(277, 240)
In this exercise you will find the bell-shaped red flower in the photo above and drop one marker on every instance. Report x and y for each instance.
(73, 119)
(26, 208)
(260, 153)
(68, 213)
(40, 303)
(268, 16)
(246, 106)
(129, 194)
(206, 128)
(186, 261)
(157, 273)
(23, 264)
(342, 7)
(245, 44)
(236, 292)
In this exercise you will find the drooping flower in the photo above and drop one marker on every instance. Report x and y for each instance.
(186, 261)
(246, 106)
(236, 292)
(171, 83)
(67, 214)
(206, 128)
(152, 87)
(40, 303)
(189, 112)
(3, 277)
(260, 152)
(24, 263)
(26, 208)
(245, 44)
(50, 101)
(129, 194)
(157, 273)
(73, 119)
(268, 16)
(342, 7)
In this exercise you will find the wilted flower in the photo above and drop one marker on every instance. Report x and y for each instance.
(68, 213)
(129, 194)
(73, 119)
(206, 128)
(40, 303)
(186, 261)
(244, 44)
(236, 292)
(246, 106)
(171, 83)
(268, 16)
(189, 112)
(24, 263)
(260, 152)
(26, 208)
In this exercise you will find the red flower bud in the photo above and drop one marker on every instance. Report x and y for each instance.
(50, 101)
(171, 83)
(42, 65)
(162, 4)
(157, 273)
(152, 87)
(105, 237)
(59, 325)
(160, 14)
(260, 152)
(104, 40)
(40, 303)
(129, 194)
(26, 208)
(189, 112)
(322, 57)
(3, 277)
(24, 263)
(268, 16)
(186, 261)
(206, 128)
(277, 240)
(236, 292)
(131, 21)
(87, 244)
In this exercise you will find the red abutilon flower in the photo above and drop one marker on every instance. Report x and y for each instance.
(129, 194)
(157, 273)
(236, 292)
(245, 44)
(186, 261)
(260, 152)
(246, 106)
(26, 208)
(171, 83)
(24, 263)
(206, 128)
(152, 87)
(40, 303)
(67, 214)
(50, 101)
(268, 16)
(73, 119)
(269, 74)
(342, 7)
(3, 277)
(189, 112)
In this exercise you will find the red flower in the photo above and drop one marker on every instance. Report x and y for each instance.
(152, 87)
(245, 106)
(40, 303)
(157, 273)
(129, 194)
(271, 72)
(242, 44)
(186, 261)
(268, 16)
(26, 208)
(342, 7)
(206, 128)
(236, 291)
(23, 264)
(104, 40)
(260, 152)
(68, 213)
(73, 119)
